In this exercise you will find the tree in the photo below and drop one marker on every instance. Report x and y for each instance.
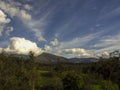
(95, 87)
(108, 85)
(33, 70)
(72, 81)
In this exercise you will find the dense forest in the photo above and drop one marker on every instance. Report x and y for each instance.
(17, 73)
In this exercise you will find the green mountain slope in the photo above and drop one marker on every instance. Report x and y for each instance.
(50, 58)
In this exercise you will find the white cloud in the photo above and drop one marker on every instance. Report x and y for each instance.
(103, 55)
(38, 34)
(41, 39)
(3, 21)
(74, 44)
(22, 46)
(24, 16)
(109, 43)
(55, 42)
(27, 7)
(71, 48)
(78, 52)
(47, 48)
(9, 30)
(3, 18)
(106, 45)
(79, 41)
(38, 26)
(24, 12)
(13, 9)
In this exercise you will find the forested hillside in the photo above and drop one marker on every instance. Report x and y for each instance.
(28, 74)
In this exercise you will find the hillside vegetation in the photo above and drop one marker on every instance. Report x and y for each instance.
(17, 73)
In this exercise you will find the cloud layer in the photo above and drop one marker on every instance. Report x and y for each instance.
(75, 28)
(3, 21)
(55, 42)
(21, 11)
(78, 52)
(13, 9)
(19, 45)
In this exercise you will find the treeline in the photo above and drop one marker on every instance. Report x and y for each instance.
(17, 73)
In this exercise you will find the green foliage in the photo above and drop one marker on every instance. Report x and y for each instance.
(24, 74)
(95, 87)
(72, 81)
(108, 85)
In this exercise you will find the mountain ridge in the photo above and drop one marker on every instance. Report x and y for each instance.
(51, 58)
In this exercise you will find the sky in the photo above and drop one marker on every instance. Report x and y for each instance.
(69, 28)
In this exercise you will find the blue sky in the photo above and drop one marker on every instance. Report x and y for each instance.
(63, 27)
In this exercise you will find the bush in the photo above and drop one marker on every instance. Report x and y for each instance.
(72, 81)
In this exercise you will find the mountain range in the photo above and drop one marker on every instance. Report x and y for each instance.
(50, 58)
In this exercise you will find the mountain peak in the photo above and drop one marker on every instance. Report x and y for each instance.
(50, 58)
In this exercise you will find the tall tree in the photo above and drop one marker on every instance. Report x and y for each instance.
(33, 70)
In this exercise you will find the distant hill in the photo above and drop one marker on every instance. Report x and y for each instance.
(83, 60)
(50, 58)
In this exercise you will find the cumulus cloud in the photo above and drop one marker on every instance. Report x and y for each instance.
(78, 52)
(103, 55)
(55, 42)
(19, 45)
(3, 21)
